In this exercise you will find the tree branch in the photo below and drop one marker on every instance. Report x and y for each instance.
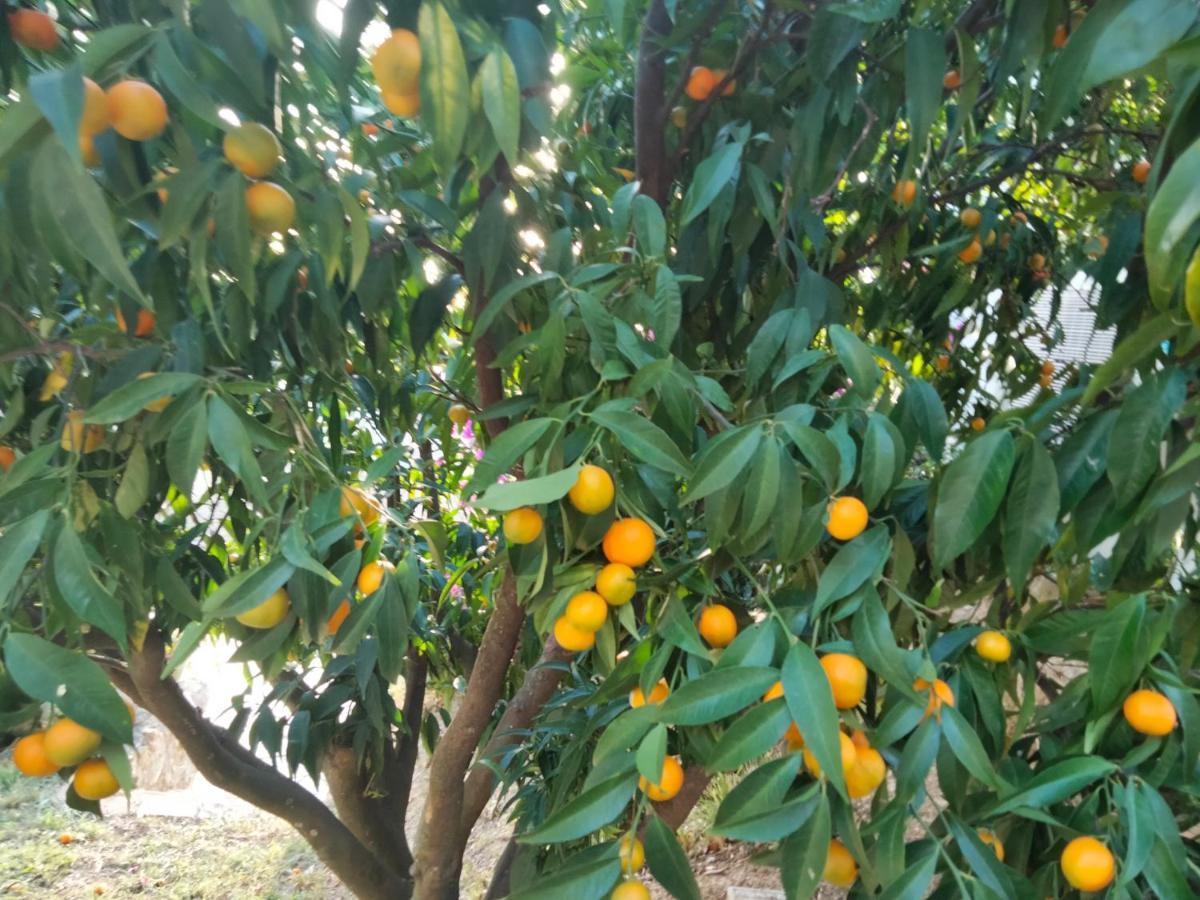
(674, 811)
(231, 767)
(649, 106)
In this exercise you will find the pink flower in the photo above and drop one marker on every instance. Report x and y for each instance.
(456, 590)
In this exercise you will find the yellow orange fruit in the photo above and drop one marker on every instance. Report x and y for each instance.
(252, 149)
(990, 838)
(370, 576)
(94, 780)
(593, 490)
(993, 646)
(867, 774)
(370, 129)
(848, 751)
(1150, 712)
(952, 80)
(700, 83)
(971, 252)
(774, 692)
(1060, 37)
(80, 438)
(847, 518)
(7, 457)
(1141, 171)
(459, 414)
(658, 694)
(718, 77)
(95, 109)
(717, 625)
(939, 692)
(29, 756)
(88, 151)
(136, 110)
(629, 541)
(795, 740)
(404, 105)
(271, 208)
(668, 784)
(970, 217)
(630, 890)
(571, 638)
(522, 525)
(357, 501)
(396, 64)
(847, 679)
(587, 611)
(941, 362)
(1087, 864)
(840, 868)
(632, 853)
(905, 192)
(977, 424)
(67, 743)
(32, 29)
(339, 616)
(142, 327)
(269, 613)
(1047, 367)
(616, 583)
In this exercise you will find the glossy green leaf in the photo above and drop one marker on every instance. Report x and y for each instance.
(1112, 654)
(716, 695)
(445, 90)
(586, 813)
(970, 493)
(965, 743)
(750, 736)
(1052, 784)
(130, 399)
(1031, 511)
(650, 754)
(810, 701)
(924, 66)
(878, 460)
(712, 175)
(856, 358)
(668, 863)
(508, 495)
(804, 853)
(723, 460)
(1134, 446)
(854, 564)
(502, 101)
(505, 451)
(87, 597)
(644, 440)
(59, 95)
(18, 543)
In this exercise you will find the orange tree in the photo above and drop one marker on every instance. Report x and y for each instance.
(763, 316)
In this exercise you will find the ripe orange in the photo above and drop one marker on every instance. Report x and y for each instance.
(269, 613)
(630, 890)
(339, 616)
(939, 693)
(136, 110)
(1045, 381)
(867, 773)
(587, 611)
(1087, 864)
(1149, 712)
(571, 638)
(773, 692)
(7, 457)
(593, 491)
(905, 192)
(29, 756)
(847, 518)
(80, 438)
(658, 694)
(95, 109)
(616, 583)
(357, 501)
(67, 743)
(795, 740)
(978, 424)
(522, 525)
(459, 414)
(94, 780)
(700, 83)
(989, 838)
(370, 129)
(404, 105)
(271, 208)
(65, 839)
(155, 406)
(88, 151)
(971, 252)
(970, 217)
(718, 77)
(952, 80)
(629, 541)
(840, 868)
(252, 149)
(993, 646)
(668, 784)
(847, 679)
(849, 756)
(1141, 171)
(859, 738)
(633, 854)
(1060, 37)
(396, 64)
(370, 577)
(1047, 368)
(718, 625)
(146, 320)
(32, 29)
(941, 362)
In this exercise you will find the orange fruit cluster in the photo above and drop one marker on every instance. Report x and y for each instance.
(64, 744)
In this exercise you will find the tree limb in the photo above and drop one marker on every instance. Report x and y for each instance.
(649, 106)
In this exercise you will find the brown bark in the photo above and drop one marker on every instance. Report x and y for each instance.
(676, 810)
(368, 810)
(649, 102)
(228, 765)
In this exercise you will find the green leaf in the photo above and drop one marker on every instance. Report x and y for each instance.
(232, 443)
(70, 681)
(852, 566)
(499, 300)
(710, 179)
(970, 493)
(59, 95)
(248, 589)
(429, 310)
(968, 748)
(1148, 339)
(18, 543)
(716, 695)
(505, 451)
(77, 206)
(751, 736)
(1173, 211)
(130, 399)
(867, 10)
(186, 445)
(1080, 460)
(668, 863)
(589, 878)
(502, 101)
(1030, 512)
(804, 854)
(875, 642)
(360, 238)
(914, 883)
(508, 495)
(1056, 782)
(818, 450)
(922, 403)
(1134, 446)
(759, 792)
(187, 193)
(924, 66)
(667, 312)
(86, 596)
(649, 227)
(878, 460)
(233, 233)
(856, 358)
(1133, 36)
(184, 85)
(586, 813)
(644, 439)
(722, 460)
(766, 344)
(810, 701)
(920, 750)
(1114, 665)
(981, 857)
(651, 752)
(134, 489)
(445, 90)
(762, 490)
